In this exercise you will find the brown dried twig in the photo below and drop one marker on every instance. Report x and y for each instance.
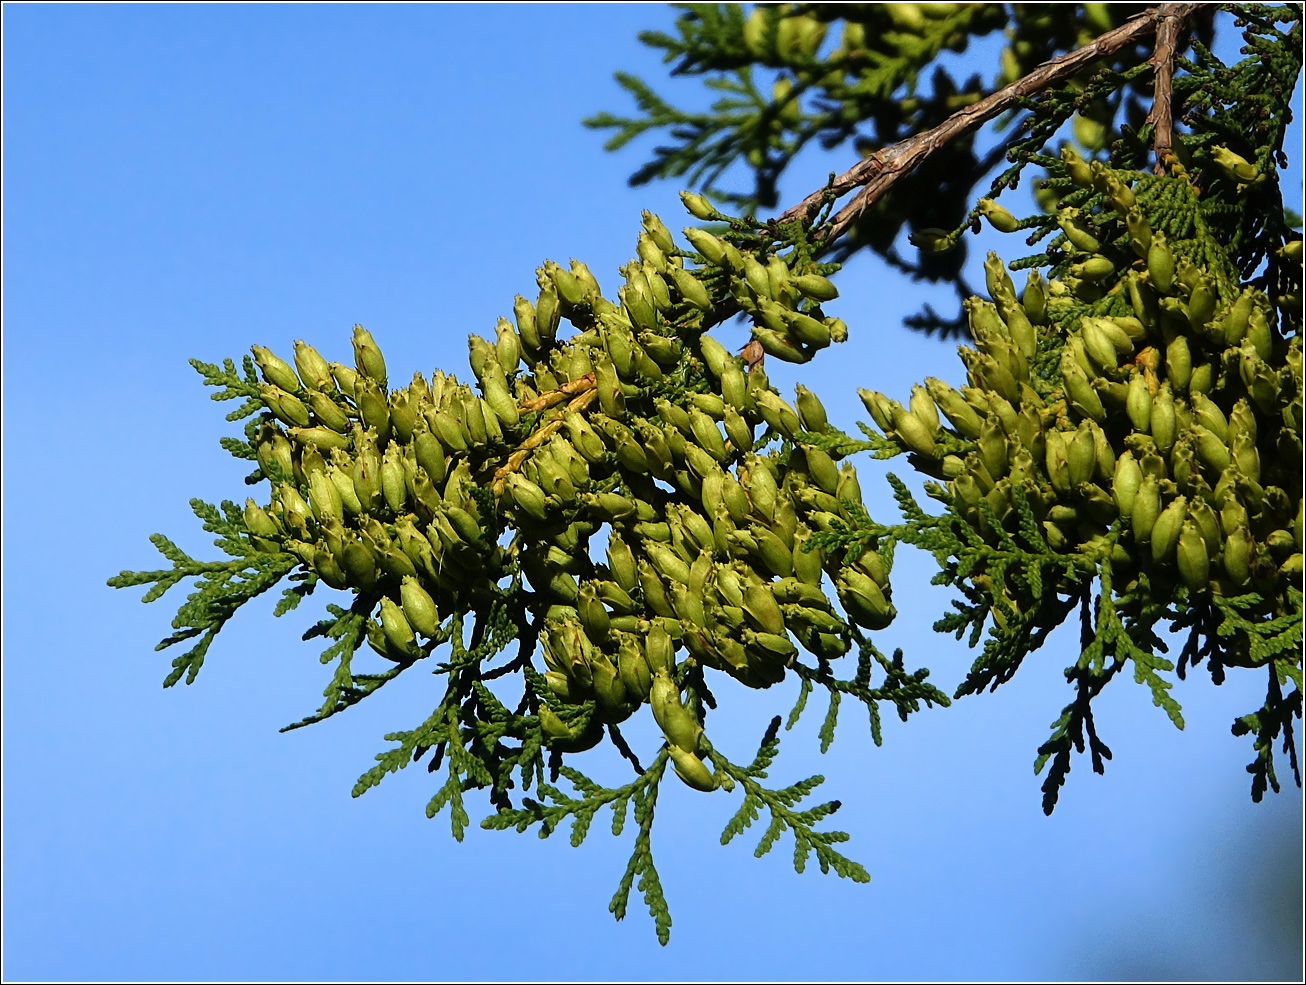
(565, 392)
(582, 393)
(876, 175)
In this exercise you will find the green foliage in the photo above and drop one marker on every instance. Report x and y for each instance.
(1021, 569)
(1126, 449)
(1011, 578)
(467, 521)
(873, 74)
(222, 587)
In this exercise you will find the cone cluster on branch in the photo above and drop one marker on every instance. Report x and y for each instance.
(635, 507)
(634, 425)
(1140, 406)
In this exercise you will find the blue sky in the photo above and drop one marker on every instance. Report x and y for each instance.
(188, 180)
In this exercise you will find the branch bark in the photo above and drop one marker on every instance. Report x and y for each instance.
(876, 175)
(1162, 62)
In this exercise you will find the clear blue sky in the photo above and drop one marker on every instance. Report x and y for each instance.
(187, 180)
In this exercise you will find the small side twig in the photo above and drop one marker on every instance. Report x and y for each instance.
(581, 392)
(623, 747)
(565, 392)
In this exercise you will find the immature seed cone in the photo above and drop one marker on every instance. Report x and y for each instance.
(367, 356)
(1193, 557)
(675, 721)
(275, 371)
(691, 769)
(1001, 220)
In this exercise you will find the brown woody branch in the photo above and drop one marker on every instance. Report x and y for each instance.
(1162, 62)
(877, 174)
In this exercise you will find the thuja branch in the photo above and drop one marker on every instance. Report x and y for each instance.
(876, 175)
(1135, 418)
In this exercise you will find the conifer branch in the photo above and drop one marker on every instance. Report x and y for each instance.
(878, 173)
(781, 805)
(1125, 446)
